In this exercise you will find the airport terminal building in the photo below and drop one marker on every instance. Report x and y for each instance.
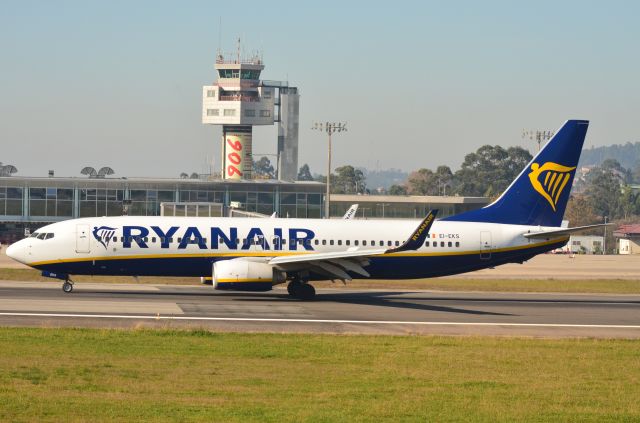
(403, 206)
(31, 202)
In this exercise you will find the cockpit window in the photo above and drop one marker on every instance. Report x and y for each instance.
(42, 235)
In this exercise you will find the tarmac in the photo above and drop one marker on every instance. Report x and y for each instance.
(379, 311)
(334, 311)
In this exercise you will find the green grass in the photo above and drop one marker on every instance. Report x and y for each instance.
(611, 286)
(119, 375)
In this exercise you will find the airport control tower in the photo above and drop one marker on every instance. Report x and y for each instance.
(238, 101)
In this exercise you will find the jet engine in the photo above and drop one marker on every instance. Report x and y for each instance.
(245, 275)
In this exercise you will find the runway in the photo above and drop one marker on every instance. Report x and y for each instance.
(334, 311)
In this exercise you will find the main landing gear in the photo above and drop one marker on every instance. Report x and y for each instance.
(301, 290)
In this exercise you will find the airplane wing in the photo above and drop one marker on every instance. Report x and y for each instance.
(562, 232)
(351, 213)
(335, 265)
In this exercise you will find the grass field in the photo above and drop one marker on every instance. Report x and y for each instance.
(117, 375)
(613, 286)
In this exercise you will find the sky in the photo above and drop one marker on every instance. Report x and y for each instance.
(119, 83)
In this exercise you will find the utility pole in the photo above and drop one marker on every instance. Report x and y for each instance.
(330, 128)
(538, 136)
(604, 239)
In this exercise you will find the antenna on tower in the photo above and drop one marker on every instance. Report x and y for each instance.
(220, 35)
(238, 50)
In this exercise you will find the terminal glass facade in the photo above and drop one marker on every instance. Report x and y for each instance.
(10, 201)
(33, 202)
(403, 207)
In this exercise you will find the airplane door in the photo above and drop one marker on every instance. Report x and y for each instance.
(485, 245)
(82, 239)
(255, 243)
(277, 243)
(260, 243)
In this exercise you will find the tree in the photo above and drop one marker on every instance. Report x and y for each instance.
(348, 180)
(629, 202)
(264, 169)
(616, 168)
(422, 182)
(397, 190)
(579, 211)
(304, 174)
(490, 170)
(635, 175)
(603, 192)
(444, 179)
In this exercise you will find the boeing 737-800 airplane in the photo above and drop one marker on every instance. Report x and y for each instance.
(254, 254)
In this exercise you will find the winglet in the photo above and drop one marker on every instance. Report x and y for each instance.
(418, 236)
(351, 213)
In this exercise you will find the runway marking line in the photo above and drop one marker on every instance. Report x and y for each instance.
(283, 320)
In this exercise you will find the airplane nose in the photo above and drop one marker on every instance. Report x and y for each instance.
(15, 251)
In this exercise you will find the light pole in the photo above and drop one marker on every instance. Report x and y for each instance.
(442, 185)
(604, 240)
(384, 204)
(329, 128)
(537, 136)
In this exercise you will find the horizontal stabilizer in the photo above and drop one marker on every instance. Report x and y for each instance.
(563, 232)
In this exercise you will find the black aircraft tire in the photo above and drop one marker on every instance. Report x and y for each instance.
(67, 287)
(306, 292)
(294, 287)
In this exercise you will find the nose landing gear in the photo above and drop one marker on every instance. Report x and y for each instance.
(67, 286)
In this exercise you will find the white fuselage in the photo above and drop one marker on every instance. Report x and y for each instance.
(188, 246)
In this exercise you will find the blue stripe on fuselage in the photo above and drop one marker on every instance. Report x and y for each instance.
(380, 267)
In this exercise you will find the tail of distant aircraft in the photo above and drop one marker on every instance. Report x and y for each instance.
(539, 195)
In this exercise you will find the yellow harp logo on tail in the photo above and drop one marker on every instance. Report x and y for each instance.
(555, 178)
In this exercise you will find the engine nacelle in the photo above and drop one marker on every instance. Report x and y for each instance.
(245, 275)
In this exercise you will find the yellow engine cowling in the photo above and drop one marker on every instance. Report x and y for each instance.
(245, 275)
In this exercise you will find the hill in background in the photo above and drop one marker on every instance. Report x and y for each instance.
(384, 178)
(628, 155)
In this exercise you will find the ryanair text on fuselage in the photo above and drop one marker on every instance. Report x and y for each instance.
(192, 235)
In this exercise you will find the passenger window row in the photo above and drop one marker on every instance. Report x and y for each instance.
(443, 244)
(275, 241)
(356, 242)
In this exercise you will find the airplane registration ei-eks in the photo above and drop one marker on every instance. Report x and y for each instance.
(254, 254)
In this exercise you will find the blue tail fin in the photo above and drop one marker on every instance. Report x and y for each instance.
(539, 195)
